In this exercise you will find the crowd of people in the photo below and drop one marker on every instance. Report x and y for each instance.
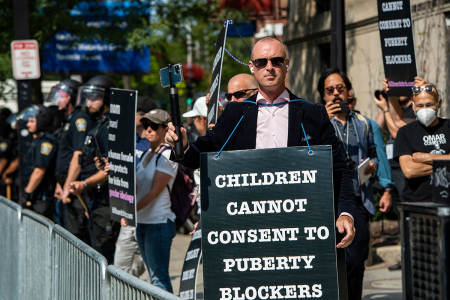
(67, 160)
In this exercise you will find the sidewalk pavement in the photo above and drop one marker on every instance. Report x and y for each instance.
(379, 282)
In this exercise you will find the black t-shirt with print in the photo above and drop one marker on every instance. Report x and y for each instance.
(413, 138)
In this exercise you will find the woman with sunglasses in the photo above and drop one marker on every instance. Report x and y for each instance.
(155, 175)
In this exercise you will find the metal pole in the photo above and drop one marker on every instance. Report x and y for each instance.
(338, 49)
(22, 32)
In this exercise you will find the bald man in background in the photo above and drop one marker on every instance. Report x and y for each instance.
(241, 87)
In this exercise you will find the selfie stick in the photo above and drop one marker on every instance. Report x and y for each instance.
(176, 117)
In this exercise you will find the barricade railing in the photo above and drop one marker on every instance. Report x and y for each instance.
(41, 260)
(79, 272)
(35, 256)
(9, 249)
(124, 286)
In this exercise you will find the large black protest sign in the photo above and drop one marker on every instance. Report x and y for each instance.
(122, 144)
(397, 45)
(213, 106)
(188, 283)
(268, 225)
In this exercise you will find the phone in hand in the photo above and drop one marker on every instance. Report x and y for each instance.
(344, 107)
(177, 75)
(382, 93)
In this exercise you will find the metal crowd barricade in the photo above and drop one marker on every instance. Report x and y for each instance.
(79, 272)
(35, 256)
(9, 249)
(124, 286)
(41, 260)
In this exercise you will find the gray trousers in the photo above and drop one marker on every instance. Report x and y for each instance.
(127, 256)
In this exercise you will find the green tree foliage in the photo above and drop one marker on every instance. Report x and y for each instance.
(164, 32)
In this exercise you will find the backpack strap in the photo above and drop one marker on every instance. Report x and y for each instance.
(158, 155)
(362, 118)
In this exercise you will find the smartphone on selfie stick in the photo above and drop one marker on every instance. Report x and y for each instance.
(170, 76)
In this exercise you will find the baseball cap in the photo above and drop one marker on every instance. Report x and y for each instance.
(157, 116)
(145, 104)
(199, 109)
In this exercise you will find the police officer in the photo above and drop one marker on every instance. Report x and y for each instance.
(6, 153)
(10, 175)
(93, 184)
(72, 134)
(39, 176)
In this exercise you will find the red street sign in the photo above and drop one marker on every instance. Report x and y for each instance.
(25, 59)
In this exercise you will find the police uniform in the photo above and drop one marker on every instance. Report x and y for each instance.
(71, 139)
(5, 153)
(96, 197)
(42, 153)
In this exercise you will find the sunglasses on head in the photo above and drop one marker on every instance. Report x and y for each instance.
(428, 88)
(277, 62)
(153, 126)
(238, 94)
(330, 89)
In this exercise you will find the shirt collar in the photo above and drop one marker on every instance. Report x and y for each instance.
(283, 97)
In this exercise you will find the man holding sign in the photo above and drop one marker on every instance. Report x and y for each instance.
(276, 122)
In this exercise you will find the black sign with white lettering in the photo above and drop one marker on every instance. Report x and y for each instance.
(214, 91)
(122, 145)
(188, 283)
(397, 45)
(269, 226)
(441, 181)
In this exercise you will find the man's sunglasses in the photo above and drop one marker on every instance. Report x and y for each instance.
(153, 126)
(330, 89)
(428, 88)
(261, 63)
(238, 94)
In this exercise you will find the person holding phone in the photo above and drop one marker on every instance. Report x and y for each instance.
(356, 139)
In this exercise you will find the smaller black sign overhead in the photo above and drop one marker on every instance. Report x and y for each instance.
(397, 45)
(216, 75)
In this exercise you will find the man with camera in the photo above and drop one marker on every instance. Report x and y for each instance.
(356, 140)
(270, 65)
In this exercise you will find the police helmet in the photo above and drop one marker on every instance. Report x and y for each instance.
(97, 88)
(44, 116)
(4, 113)
(68, 88)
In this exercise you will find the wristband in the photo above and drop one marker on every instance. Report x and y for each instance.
(385, 111)
(85, 184)
(388, 190)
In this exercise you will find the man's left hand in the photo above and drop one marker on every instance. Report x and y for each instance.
(77, 187)
(385, 202)
(370, 169)
(345, 224)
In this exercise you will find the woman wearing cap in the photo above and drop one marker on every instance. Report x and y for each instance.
(155, 175)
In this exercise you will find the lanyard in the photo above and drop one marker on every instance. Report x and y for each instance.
(345, 145)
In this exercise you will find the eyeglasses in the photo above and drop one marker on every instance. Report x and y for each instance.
(261, 63)
(153, 126)
(238, 94)
(330, 89)
(428, 88)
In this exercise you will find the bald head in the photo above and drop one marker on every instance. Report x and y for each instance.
(269, 39)
(242, 82)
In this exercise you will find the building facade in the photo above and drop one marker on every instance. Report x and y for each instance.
(307, 37)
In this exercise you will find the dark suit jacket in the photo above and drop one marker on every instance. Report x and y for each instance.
(318, 128)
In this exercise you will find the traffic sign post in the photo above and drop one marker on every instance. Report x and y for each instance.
(25, 59)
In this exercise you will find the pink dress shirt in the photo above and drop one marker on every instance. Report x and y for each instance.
(273, 121)
(273, 124)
